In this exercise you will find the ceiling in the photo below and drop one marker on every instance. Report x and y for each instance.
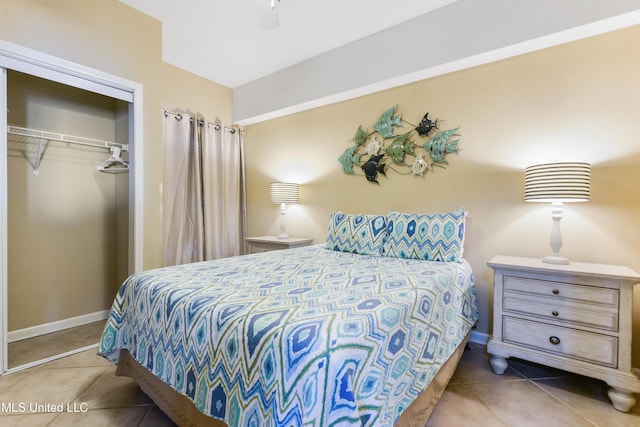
(332, 50)
(222, 40)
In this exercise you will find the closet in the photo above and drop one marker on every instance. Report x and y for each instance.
(70, 196)
(67, 217)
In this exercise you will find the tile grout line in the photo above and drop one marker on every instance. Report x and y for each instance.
(481, 402)
(53, 419)
(562, 402)
(146, 415)
(534, 381)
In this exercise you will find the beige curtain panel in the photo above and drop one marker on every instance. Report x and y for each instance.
(204, 213)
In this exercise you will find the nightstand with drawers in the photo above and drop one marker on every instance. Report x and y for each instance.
(574, 317)
(273, 243)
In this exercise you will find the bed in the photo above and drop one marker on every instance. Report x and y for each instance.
(311, 336)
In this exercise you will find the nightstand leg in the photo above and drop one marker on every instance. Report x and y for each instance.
(498, 364)
(622, 400)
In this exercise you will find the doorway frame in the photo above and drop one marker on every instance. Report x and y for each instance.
(35, 63)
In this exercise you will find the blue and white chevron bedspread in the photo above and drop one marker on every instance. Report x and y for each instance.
(300, 337)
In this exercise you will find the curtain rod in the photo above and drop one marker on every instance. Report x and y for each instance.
(201, 122)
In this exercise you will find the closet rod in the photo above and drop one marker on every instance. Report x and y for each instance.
(201, 122)
(54, 136)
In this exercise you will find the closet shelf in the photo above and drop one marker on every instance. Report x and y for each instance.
(54, 136)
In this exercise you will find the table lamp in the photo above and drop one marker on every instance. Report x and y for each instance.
(283, 193)
(557, 183)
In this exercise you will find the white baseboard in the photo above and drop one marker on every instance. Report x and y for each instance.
(59, 325)
(479, 337)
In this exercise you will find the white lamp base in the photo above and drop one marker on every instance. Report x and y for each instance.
(283, 228)
(556, 259)
(556, 237)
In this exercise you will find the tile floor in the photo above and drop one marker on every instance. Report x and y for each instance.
(526, 395)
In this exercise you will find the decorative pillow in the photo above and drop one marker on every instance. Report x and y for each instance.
(437, 237)
(360, 234)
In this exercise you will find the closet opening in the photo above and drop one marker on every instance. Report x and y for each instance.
(67, 213)
(81, 103)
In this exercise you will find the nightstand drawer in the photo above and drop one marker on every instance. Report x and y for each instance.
(588, 294)
(273, 243)
(593, 348)
(558, 310)
(256, 249)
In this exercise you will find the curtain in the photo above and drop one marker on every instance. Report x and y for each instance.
(204, 213)
(223, 186)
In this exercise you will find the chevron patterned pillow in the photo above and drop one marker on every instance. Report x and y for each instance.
(437, 237)
(360, 234)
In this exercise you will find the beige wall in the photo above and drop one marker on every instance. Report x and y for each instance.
(573, 102)
(109, 36)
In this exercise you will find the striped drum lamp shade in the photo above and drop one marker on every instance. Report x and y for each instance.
(564, 182)
(556, 183)
(282, 193)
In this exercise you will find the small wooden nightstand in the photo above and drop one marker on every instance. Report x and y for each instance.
(272, 243)
(574, 317)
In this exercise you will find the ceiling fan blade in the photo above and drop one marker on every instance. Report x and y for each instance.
(268, 14)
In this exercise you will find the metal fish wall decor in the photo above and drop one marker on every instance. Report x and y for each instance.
(405, 155)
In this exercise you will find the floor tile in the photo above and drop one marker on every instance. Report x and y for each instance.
(111, 391)
(9, 380)
(523, 404)
(28, 420)
(120, 417)
(459, 406)
(156, 418)
(589, 398)
(51, 385)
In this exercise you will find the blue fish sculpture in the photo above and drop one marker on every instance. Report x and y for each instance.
(386, 122)
(438, 147)
(372, 167)
(349, 158)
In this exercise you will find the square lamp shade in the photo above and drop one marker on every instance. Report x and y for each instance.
(556, 183)
(282, 193)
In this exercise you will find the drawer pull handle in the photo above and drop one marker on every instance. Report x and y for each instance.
(554, 312)
(555, 292)
(554, 340)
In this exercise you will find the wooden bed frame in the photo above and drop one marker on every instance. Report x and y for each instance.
(183, 412)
